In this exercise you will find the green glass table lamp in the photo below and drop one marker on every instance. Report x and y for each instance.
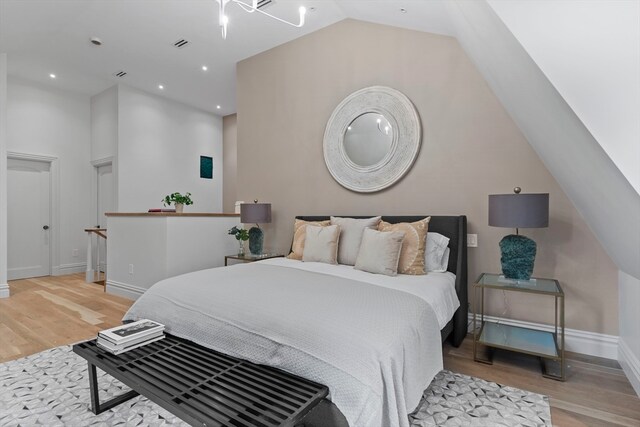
(255, 213)
(518, 211)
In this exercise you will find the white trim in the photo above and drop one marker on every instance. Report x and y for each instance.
(54, 222)
(577, 341)
(124, 289)
(630, 365)
(4, 291)
(76, 267)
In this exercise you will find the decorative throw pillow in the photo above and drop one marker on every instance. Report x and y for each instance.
(351, 236)
(434, 252)
(380, 252)
(299, 233)
(412, 254)
(321, 244)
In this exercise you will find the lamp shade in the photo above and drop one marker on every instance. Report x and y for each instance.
(255, 213)
(519, 210)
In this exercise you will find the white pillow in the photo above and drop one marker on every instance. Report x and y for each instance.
(321, 244)
(435, 251)
(351, 230)
(380, 252)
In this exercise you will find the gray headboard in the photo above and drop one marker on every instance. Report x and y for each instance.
(455, 228)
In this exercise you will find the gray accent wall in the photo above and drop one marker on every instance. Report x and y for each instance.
(471, 148)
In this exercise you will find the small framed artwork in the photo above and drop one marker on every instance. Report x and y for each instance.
(206, 167)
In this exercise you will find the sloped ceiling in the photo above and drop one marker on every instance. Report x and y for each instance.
(596, 186)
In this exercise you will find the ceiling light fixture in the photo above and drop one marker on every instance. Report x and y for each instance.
(223, 19)
(205, 68)
(160, 87)
(53, 76)
(218, 107)
(403, 10)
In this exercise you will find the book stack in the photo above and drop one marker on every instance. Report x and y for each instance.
(132, 335)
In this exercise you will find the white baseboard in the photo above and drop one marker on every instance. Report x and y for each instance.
(630, 365)
(4, 290)
(124, 289)
(63, 269)
(577, 341)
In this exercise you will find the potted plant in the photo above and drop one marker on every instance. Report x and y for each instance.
(241, 236)
(178, 200)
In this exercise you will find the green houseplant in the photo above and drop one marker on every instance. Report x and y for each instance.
(241, 236)
(178, 200)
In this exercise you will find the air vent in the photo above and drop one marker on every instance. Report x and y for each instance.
(180, 43)
(264, 3)
(120, 74)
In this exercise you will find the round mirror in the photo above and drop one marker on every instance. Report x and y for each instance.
(372, 139)
(368, 139)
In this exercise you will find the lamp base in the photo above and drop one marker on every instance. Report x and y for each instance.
(518, 256)
(256, 239)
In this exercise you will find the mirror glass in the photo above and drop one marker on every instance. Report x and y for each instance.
(368, 139)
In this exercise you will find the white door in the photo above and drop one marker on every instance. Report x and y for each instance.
(28, 218)
(105, 204)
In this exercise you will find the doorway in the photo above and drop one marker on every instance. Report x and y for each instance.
(28, 218)
(105, 203)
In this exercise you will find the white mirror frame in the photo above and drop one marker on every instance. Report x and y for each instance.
(407, 135)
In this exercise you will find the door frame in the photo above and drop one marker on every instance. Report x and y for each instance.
(94, 185)
(54, 204)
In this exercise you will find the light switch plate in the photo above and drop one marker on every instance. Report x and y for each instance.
(472, 240)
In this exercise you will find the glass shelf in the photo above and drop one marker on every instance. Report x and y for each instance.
(535, 285)
(525, 340)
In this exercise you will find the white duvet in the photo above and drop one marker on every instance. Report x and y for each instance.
(373, 340)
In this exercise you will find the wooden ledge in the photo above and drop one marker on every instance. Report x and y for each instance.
(186, 214)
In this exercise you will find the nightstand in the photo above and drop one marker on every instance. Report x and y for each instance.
(548, 345)
(250, 258)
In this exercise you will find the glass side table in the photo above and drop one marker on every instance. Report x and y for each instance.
(250, 258)
(547, 345)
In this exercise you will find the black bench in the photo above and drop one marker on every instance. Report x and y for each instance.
(203, 387)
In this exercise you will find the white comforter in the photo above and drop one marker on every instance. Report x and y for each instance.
(375, 347)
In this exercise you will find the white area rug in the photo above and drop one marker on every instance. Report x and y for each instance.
(52, 389)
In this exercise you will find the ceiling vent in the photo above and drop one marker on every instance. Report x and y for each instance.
(180, 43)
(264, 3)
(120, 74)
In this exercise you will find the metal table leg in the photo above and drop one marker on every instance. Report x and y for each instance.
(96, 406)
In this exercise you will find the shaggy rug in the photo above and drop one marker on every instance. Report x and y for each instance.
(51, 388)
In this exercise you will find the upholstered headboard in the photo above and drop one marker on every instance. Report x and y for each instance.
(455, 228)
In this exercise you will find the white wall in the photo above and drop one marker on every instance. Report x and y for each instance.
(590, 51)
(46, 121)
(4, 287)
(159, 147)
(629, 350)
(104, 124)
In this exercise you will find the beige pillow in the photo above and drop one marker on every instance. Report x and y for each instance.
(351, 236)
(380, 252)
(299, 233)
(321, 244)
(412, 254)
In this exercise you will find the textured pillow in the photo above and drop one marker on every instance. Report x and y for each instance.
(321, 244)
(434, 253)
(380, 252)
(412, 254)
(299, 233)
(351, 236)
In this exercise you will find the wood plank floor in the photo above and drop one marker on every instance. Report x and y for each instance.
(48, 312)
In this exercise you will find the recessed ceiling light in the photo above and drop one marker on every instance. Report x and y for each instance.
(160, 87)
(205, 68)
(218, 107)
(53, 76)
(403, 10)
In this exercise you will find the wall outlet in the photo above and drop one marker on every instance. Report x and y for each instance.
(75, 253)
(472, 240)
(130, 268)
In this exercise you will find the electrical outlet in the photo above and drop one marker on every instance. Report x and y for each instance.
(74, 253)
(130, 268)
(472, 240)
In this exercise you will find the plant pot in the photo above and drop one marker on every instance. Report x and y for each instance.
(240, 248)
(179, 207)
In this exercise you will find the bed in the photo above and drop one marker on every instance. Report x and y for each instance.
(373, 340)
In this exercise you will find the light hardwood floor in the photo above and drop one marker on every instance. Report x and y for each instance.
(48, 312)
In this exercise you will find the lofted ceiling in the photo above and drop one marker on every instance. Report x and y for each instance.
(43, 37)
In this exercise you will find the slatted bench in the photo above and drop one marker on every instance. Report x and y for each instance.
(203, 387)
